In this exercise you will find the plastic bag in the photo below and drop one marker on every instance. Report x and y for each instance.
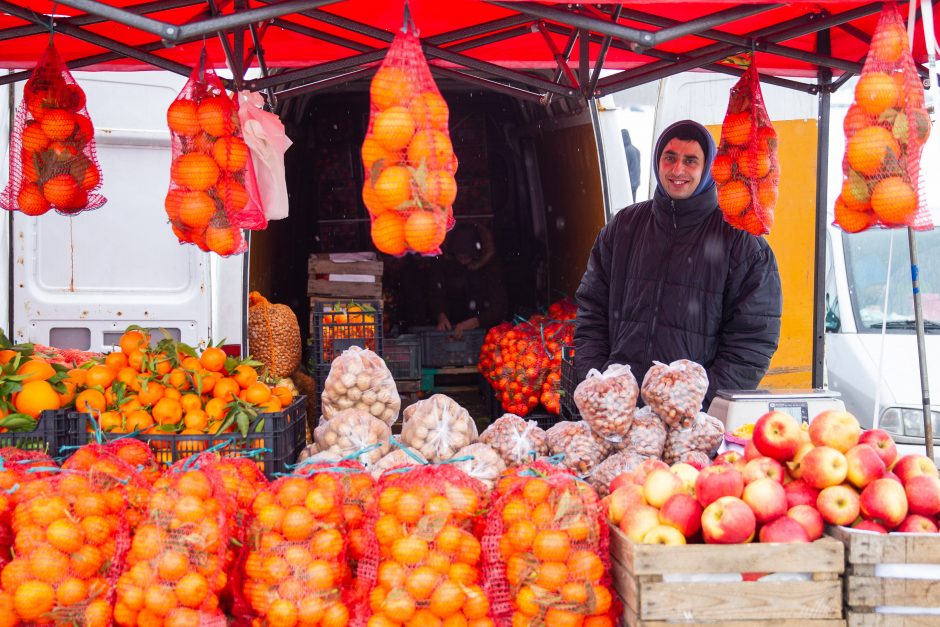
(616, 464)
(704, 436)
(484, 464)
(209, 201)
(574, 441)
(607, 401)
(407, 154)
(675, 391)
(885, 130)
(359, 379)
(648, 434)
(398, 457)
(546, 548)
(437, 427)
(515, 439)
(353, 432)
(264, 133)
(53, 161)
(746, 168)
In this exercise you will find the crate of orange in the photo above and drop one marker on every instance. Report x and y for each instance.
(338, 325)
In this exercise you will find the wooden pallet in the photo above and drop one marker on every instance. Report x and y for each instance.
(323, 278)
(865, 591)
(645, 580)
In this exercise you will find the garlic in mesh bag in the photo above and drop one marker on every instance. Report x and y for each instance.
(704, 436)
(353, 431)
(515, 439)
(647, 435)
(616, 464)
(607, 401)
(580, 451)
(484, 463)
(675, 391)
(359, 379)
(437, 427)
(400, 455)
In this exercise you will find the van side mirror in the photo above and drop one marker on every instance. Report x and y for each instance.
(833, 323)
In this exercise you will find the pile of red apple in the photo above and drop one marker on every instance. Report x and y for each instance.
(786, 487)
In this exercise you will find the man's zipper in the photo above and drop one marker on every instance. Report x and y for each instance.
(659, 287)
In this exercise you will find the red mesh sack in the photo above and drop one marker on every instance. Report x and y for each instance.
(179, 557)
(423, 562)
(555, 335)
(546, 553)
(885, 130)
(525, 365)
(746, 168)
(212, 186)
(490, 358)
(407, 155)
(53, 164)
(71, 537)
(18, 468)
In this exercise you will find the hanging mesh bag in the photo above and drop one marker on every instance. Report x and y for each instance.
(212, 183)
(746, 168)
(407, 155)
(53, 163)
(885, 131)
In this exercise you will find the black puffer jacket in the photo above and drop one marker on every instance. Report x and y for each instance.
(670, 279)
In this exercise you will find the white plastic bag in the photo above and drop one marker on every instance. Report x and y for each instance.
(437, 427)
(359, 379)
(704, 436)
(607, 401)
(353, 431)
(484, 464)
(267, 142)
(675, 391)
(515, 439)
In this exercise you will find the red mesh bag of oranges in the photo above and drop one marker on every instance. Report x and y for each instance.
(746, 168)
(212, 192)
(179, 557)
(15, 474)
(546, 551)
(71, 536)
(295, 565)
(407, 155)
(885, 130)
(424, 564)
(53, 164)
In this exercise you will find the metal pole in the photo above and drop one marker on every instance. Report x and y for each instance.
(823, 46)
(921, 346)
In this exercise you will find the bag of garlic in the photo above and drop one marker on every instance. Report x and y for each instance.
(353, 433)
(359, 379)
(437, 427)
(481, 462)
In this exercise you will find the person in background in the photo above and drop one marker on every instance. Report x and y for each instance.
(669, 279)
(467, 290)
(633, 161)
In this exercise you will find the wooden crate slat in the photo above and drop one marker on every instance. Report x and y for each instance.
(740, 600)
(874, 591)
(856, 619)
(796, 622)
(871, 548)
(625, 585)
(343, 289)
(328, 266)
(824, 555)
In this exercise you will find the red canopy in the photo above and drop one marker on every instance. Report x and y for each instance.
(477, 39)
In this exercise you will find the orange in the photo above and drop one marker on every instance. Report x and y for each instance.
(298, 524)
(372, 152)
(585, 564)
(159, 599)
(231, 153)
(476, 606)
(223, 240)
(409, 550)
(37, 370)
(61, 190)
(398, 605)
(31, 201)
(563, 618)
(409, 508)
(515, 509)
(894, 201)
(463, 573)
(327, 544)
(182, 617)
(97, 529)
(134, 339)
(391, 86)
(387, 529)
(371, 200)
(337, 615)
(226, 389)
(575, 592)
(57, 124)
(876, 92)
(65, 535)
(245, 375)
(855, 119)
(231, 193)
(551, 575)
(71, 591)
(551, 545)
(388, 234)
(736, 128)
(36, 397)
(429, 110)
(138, 420)
(767, 193)
(196, 419)
(33, 599)
(213, 359)
(889, 43)
(115, 361)
(99, 376)
(87, 561)
(431, 148)
(852, 220)
(192, 589)
(172, 565)
(440, 188)
(536, 491)
(734, 197)
(447, 599)
(393, 128)
(421, 582)
(217, 116)
(602, 600)
(425, 231)
(33, 138)
(393, 187)
(754, 164)
(48, 564)
(181, 117)
(215, 409)
(283, 394)
(167, 411)
(527, 601)
(721, 169)
(869, 148)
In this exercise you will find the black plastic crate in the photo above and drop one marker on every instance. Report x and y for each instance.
(440, 349)
(569, 381)
(334, 328)
(282, 433)
(50, 434)
(402, 355)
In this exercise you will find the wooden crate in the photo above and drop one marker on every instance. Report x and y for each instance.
(865, 591)
(659, 585)
(324, 278)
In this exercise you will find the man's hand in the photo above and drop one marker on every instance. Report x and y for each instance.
(466, 325)
(443, 324)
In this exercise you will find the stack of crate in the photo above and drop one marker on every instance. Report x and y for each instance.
(403, 358)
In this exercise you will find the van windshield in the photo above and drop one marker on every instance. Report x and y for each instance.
(866, 256)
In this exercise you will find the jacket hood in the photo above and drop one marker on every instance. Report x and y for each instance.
(688, 128)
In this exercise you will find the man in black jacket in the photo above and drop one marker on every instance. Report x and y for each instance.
(669, 279)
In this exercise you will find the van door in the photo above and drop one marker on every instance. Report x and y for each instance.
(78, 282)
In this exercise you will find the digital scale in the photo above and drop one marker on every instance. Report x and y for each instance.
(739, 407)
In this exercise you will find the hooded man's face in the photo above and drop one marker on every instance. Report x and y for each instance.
(680, 168)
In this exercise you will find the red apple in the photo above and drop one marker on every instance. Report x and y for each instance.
(800, 493)
(869, 525)
(728, 520)
(717, 481)
(795, 465)
(731, 458)
(784, 530)
(624, 478)
(915, 523)
(664, 534)
(884, 501)
(838, 505)
(890, 475)
(638, 520)
(750, 451)
(682, 512)
(836, 429)
(923, 495)
(913, 465)
(763, 468)
(687, 473)
(864, 465)
(883, 444)
(777, 435)
(645, 468)
(621, 500)
(810, 518)
(767, 498)
(823, 467)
